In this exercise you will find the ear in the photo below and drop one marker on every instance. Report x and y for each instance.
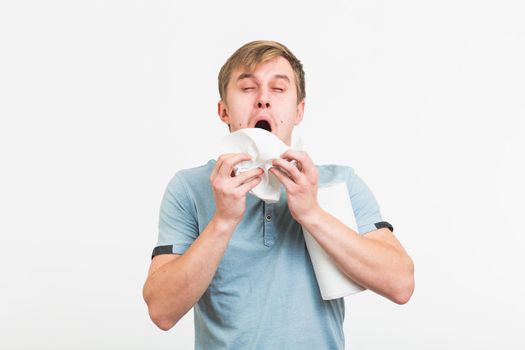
(223, 112)
(300, 113)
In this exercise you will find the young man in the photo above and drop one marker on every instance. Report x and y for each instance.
(242, 263)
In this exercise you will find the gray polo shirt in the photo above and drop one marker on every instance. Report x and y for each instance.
(264, 294)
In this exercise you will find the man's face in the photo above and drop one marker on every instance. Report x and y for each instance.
(266, 97)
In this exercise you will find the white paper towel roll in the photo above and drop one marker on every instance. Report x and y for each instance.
(333, 283)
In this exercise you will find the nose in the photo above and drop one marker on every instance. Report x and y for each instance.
(263, 100)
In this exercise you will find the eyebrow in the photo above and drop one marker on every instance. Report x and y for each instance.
(276, 76)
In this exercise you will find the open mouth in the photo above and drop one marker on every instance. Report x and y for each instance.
(263, 124)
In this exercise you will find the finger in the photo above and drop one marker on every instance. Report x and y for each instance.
(229, 163)
(245, 176)
(283, 178)
(249, 185)
(305, 163)
(290, 168)
(218, 165)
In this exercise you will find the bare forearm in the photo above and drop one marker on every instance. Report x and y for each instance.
(173, 289)
(378, 266)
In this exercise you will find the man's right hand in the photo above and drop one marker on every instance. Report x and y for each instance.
(230, 190)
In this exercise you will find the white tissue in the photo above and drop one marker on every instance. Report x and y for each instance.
(263, 147)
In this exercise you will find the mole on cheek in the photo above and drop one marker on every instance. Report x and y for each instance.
(240, 125)
(281, 121)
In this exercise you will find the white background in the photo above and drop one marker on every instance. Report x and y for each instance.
(102, 101)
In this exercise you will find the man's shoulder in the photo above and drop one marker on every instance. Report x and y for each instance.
(194, 178)
(333, 173)
(198, 171)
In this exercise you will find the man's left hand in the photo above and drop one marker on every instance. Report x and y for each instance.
(300, 181)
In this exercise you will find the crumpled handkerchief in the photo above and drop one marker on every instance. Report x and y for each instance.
(263, 147)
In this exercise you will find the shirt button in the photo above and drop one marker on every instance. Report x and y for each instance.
(268, 217)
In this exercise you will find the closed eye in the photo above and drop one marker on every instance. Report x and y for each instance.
(248, 88)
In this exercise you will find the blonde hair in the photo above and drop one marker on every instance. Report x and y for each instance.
(254, 53)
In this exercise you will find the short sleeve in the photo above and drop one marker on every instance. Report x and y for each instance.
(178, 226)
(366, 209)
